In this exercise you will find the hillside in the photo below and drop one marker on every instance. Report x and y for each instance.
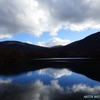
(87, 47)
(18, 51)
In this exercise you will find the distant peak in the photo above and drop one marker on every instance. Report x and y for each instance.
(56, 46)
(11, 42)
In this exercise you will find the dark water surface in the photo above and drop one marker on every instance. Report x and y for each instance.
(58, 79)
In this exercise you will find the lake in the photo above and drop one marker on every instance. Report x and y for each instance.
(48, 79)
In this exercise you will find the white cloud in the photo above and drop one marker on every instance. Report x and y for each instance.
(56, 73)
(40, 91)
(38, 16)
(21, 16)
(29, 42)
(76, 15)
(53, 42)
(5, 36)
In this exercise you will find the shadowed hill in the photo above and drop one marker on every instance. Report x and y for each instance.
(16, 45)
(17, 51)
(87, 47)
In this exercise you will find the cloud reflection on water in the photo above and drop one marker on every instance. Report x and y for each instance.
(5, 81)
(29, 73)
(55, 73)
(39, 91)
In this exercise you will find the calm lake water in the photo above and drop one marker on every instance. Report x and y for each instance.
(49, 84)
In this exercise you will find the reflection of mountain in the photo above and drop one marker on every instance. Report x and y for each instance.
(18, 51)
(89, 68)
(56, 73)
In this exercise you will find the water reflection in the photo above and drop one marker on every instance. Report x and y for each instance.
(47, 84)
(55, 73)
(40, 91)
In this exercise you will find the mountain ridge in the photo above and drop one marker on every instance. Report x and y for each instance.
(88, 44)
(16, 50)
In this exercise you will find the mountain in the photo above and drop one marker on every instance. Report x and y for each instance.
(16, 45)
(18, 51)
(87, 47)
(56, 46)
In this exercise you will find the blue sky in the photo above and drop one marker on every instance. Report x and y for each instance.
(62, 34)
(48, 22)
